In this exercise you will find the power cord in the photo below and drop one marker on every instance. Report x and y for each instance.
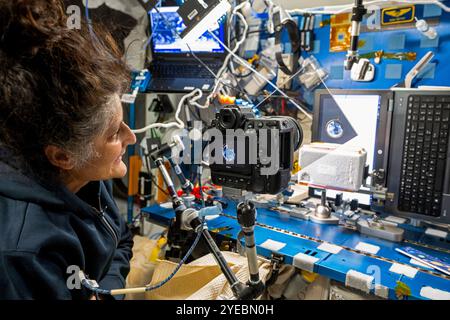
(93, 286)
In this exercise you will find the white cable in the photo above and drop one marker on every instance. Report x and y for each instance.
(286, 81)
(197, 93)
(440, 4)
(343, 8)
(270, 25)
(227, 59)
(339, 8)
(179, 124)
(246, 64)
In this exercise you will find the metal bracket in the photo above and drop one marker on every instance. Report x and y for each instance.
(276, 261)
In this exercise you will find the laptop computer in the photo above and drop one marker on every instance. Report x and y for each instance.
(355, 118)
(406, 132)
(173, 66)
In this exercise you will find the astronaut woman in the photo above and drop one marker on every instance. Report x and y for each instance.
(61, 136)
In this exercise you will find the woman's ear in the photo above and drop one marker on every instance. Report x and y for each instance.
(58, 157)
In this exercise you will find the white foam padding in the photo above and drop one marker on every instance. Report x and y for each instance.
(329, 247)
(304, 261)
(381, 291)
(359, 281)
(367, 247)
(434, 294)
(408, 271)
(273, 245)
(394, 219)
(436, 233)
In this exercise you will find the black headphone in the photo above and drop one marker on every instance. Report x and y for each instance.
(294, 37)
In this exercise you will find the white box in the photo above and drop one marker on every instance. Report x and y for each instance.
(332, 165)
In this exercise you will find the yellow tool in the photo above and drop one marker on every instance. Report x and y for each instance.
(154, 255)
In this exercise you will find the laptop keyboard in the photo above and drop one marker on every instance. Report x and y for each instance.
(424, 154)
(178, 70)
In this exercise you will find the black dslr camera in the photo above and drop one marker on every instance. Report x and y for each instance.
(256, 154)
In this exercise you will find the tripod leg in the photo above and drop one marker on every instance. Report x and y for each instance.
(246, 214)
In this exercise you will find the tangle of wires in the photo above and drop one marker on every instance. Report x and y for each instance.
(180, 264)
(238, 89)
(147, 162)
(98, 291)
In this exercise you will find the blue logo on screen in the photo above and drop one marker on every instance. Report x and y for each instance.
(335, 129)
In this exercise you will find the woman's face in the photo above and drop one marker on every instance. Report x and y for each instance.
(109, 148)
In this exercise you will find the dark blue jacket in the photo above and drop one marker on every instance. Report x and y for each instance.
(46, 233)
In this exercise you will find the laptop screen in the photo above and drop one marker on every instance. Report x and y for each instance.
(167, 25)
(350, 118)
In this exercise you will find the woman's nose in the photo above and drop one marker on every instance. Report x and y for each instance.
(130, 136)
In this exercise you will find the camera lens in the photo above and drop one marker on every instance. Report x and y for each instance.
(297, 130)
(298, 133)
(228, 118)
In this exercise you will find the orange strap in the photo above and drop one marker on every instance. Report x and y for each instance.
(133, 175)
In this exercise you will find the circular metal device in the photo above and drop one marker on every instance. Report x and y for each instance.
(334, 129)
(323, 211)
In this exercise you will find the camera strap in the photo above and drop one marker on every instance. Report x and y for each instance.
(294, 36)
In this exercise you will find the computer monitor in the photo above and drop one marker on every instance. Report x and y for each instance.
(355, 118)
(166, 27)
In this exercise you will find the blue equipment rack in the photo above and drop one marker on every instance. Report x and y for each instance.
(300, 236)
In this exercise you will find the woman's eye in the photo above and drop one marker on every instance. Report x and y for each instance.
(116, 135)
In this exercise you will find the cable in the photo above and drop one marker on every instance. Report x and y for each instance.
(179, 124)
(197, 239)
(200, 173)
(225, 64)
(128, 47)
(92, 286)
(152, 178)
(249, 32)
(231, 63)
(344, 8)
(212, 72)
(88, 20)
(244, 63)
(197, 93)
(273, 92)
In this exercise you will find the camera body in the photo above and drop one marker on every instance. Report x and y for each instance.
(257, 152)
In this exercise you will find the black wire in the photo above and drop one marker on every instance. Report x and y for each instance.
(238, 75)
(147, 165)
(215, 76)
(249, 32)
(128, 47)
(230, 69)
(200, 170)
(196, 115)
(301, 103)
